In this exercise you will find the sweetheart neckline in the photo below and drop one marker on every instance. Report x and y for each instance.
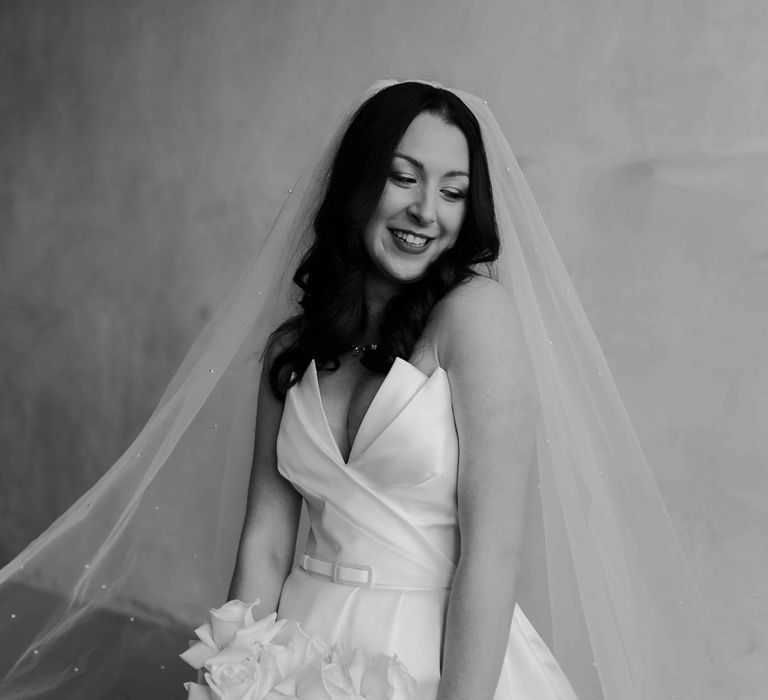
(346, 462)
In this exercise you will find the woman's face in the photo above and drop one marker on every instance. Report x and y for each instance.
(424, 201)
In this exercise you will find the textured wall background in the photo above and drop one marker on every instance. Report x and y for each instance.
(146, 145)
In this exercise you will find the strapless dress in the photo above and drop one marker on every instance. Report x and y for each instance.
(384, 540)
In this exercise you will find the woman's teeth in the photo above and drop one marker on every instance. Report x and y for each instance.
(410, 238)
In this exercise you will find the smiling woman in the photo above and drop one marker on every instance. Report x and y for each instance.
(423, 203)
(478, 503)
(407, 214)
(439, 412)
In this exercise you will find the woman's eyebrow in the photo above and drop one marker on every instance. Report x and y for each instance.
(418, 164)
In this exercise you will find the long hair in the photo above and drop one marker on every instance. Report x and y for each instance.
(331, 275)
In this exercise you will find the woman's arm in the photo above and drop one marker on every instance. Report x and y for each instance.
(482, 348)
(268, 538)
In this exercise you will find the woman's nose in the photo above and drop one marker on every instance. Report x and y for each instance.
(423, 210)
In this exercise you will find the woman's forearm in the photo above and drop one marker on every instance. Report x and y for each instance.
(477, 628)
(260, 572)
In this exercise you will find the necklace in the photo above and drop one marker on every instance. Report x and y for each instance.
(358, 350)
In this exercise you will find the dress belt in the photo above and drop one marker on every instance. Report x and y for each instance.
(364, 576)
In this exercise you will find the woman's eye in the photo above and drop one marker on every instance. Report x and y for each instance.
(454, 194)
(403, 179)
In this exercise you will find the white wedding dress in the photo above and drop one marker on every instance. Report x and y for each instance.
(384, 541)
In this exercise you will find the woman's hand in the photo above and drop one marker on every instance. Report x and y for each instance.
(481, 345)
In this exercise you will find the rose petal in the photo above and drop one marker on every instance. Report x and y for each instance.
(260, 632)
(231, 655)
(309, 686)
(375, 682)
(198, 654)
(282, 659)
(234, 609)
(197, 692)
(205, 634)
(286, 687)
(402, 683)
(277, 695)
(307, 648)
(336, 682)
(249, 617)
(356, 670)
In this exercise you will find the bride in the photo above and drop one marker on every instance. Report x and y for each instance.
(478, 502)
(415, 396)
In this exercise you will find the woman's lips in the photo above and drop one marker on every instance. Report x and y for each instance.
(409, 241)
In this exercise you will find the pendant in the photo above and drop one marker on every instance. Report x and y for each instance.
(358, 350)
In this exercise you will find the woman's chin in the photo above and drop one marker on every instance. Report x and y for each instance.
(393, 271)
(406, 277)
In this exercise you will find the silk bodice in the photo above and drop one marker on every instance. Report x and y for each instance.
(392, 504)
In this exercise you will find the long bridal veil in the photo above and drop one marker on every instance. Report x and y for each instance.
(102, 602)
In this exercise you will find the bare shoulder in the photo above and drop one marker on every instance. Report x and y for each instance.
(478, 288)
(476, 319)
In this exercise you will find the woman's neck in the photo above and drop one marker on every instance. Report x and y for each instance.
(378, 292)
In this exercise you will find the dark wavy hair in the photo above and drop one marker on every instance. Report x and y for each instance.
(331, 275)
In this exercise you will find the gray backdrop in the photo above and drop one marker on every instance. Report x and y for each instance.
(146, 145)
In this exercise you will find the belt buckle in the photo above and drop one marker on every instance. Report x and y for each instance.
(336, 577)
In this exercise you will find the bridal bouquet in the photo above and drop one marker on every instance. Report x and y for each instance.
(244, 658)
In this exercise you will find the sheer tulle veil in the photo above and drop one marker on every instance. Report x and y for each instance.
(101, 603)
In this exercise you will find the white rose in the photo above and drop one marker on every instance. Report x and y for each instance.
(230, 617)
(385, 678)
(305, 649)
(310, 686)
(215, 635)
(259, 632)
(403, 683)
(239, 681)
